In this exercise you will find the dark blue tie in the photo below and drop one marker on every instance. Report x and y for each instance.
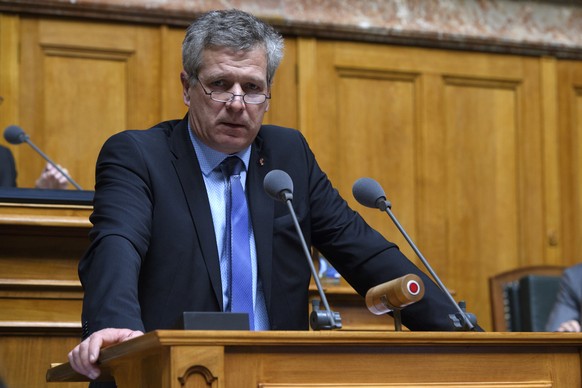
(238, 240)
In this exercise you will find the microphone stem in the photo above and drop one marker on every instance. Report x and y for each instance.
(53, 163)
(310, 261)
(429, 268)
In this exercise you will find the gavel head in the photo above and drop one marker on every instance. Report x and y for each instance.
(395, 294)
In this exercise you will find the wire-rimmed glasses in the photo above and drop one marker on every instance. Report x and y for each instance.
(248, 98)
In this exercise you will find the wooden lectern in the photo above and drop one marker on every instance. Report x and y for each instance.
(225, 359)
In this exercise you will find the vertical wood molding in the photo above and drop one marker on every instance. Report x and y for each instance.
(553, 206)
(9, 73)
(306, 84)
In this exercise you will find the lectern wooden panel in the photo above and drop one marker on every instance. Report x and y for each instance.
(165, 359)
(43, 233)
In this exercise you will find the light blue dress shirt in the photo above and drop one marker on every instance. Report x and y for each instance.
(216, 187)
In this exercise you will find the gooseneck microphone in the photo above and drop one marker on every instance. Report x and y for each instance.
(369, 193)
(16, 135)
(279, 186)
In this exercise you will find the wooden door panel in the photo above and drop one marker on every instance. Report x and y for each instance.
(480, 192)
(569, 80)
(379, 144)
(74, 129)
(81, 83)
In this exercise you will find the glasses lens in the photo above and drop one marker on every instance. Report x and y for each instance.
(222, 96)
(255, 98)
(247, 98)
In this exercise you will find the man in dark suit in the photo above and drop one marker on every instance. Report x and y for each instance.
(566, 313)
(158, 237)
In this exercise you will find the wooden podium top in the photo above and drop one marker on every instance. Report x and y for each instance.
(336, 342)
(340, 338)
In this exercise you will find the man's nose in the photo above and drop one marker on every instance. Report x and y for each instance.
(237, 101)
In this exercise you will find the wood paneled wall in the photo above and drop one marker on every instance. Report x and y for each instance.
(460, 142)
(478, 152)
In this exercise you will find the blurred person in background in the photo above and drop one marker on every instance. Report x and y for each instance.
(50, 177)
(565, 314)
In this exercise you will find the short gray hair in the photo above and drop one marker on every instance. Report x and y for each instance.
(232, 29)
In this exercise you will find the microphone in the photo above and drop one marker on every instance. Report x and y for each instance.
(369, 193)
(16, 135)
(279, 186)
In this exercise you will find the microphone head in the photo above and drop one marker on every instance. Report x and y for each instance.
(15, 135)
(369, 193)
(278, 185)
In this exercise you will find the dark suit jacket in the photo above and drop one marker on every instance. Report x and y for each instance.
(568, 305)
(153, 253)
(7, 168)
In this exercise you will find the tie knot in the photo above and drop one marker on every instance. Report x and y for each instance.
(232, 165)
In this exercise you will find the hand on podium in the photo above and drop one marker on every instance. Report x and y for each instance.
(83, 358)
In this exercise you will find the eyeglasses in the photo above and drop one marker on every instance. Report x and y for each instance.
(248, 98)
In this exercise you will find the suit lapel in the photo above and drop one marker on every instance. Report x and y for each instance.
(194, 189)
(262, 210)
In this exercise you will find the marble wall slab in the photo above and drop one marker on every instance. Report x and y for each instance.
(535, 27)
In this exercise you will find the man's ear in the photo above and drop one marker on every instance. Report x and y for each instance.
(185, 87)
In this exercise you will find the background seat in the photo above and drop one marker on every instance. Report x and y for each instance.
(522, 298)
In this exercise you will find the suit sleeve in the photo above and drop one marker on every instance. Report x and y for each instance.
(109, 271)
(567, 305)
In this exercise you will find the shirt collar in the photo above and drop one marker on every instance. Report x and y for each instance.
(209, 158)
